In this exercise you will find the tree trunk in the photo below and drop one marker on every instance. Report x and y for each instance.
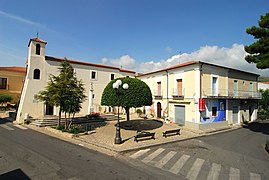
(127, 113)
(65, 123)
(60, 114)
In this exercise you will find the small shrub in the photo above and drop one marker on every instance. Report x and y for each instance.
(74, 131)
(139, 112)
(4, 98)
(61, 127)
(94, 115)
(28, 121)
(263, 114)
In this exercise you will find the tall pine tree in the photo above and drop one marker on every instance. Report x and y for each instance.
(259, 50)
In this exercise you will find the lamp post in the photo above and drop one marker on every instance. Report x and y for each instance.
(116, 86)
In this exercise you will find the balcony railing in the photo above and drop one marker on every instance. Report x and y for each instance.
(225, 93)
(178, 93)
(157, 94)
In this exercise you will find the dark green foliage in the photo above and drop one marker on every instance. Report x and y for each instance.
(263, 79)
(61, 127)
(259, 50)
(64, 91)
(139, 112)
(4, 98)
(264, 105)
(137, 95)
(264, 102)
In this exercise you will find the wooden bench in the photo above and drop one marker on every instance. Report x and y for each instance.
(171, 132)
(144, 135)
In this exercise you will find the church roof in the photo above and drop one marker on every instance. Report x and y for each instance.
(36, 40)
(89, 64)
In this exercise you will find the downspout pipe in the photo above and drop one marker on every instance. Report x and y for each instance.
(167, 90)
(201, 72)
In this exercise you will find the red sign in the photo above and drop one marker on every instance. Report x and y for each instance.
(201, 104)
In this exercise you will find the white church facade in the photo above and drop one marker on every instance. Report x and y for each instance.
(39, 66)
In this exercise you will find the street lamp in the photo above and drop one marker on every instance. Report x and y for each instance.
(116, 85)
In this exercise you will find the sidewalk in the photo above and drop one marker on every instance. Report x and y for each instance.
(103, 137)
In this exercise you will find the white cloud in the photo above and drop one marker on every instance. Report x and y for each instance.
(124, 61)
(233, 57)
(230, 57)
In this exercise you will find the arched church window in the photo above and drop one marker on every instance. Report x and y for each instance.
(36, 74)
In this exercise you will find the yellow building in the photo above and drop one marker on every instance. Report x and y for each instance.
(202, 95)
(11, 81)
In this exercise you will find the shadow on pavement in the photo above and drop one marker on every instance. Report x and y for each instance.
(4, 121)
(259, 126)
(15, 174)
(141, 125)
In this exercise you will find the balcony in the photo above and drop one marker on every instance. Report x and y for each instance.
(178, 93)
(157, 94)
(231, 94)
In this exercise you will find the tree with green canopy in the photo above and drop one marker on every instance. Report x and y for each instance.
(264, 103)
(64, 91)
(4, 98)
(259, 50)
(138, 94)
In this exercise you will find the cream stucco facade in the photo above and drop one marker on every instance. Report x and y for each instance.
(39, 66)
(194, 94)
(230, 96)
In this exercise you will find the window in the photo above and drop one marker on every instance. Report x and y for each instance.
(179, 87)
(3, 83)
(235, 88)
(214, 86)
(112, 76)
(37, 50)
(250, 88)
(36, 74)
(93, 75)
(159, 88)
(214, 111)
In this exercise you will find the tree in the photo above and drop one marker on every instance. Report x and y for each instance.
(4, 98)
(264, 104)
(64, 91)
(138, 94)
(259, 50)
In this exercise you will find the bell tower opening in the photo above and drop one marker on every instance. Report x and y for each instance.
(37, 49)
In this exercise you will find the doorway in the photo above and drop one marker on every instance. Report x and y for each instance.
(251, 110)
(49, 109)
(180, 115)
(235, 114)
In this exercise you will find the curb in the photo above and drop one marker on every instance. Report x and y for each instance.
(65, 136)
(157, 144)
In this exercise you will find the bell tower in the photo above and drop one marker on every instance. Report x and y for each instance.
(36, 47)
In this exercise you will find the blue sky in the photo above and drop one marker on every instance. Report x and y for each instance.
(141, 35)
